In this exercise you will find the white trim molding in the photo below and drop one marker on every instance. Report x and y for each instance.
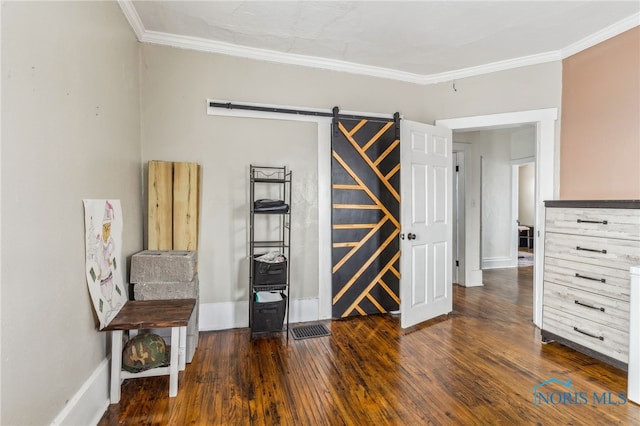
(211, 46)
(523, 61)
(498, 262)
(501, 119)
(90, 402)
(602, 35)
(130, 12)
(228, 315)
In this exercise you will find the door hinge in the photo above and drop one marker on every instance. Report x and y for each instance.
(457, 168)
(457, 263)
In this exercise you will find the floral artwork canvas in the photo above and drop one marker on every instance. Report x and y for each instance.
(103, 261)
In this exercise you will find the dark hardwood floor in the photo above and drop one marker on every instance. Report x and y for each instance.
(477, 366)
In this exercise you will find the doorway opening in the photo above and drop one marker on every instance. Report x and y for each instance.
(458, 211)
(524, 206)
(492, 155)
(544, 121)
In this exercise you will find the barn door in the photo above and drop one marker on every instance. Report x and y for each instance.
(365, 175)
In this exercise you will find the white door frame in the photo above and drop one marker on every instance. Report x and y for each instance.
(546, 182)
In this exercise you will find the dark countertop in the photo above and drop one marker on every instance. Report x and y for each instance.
(601, 204)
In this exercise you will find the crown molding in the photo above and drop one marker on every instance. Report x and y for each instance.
(508, 64)
(210, 46)
(602, 35)
(132, 16)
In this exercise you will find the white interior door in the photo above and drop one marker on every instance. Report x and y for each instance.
(426, 219)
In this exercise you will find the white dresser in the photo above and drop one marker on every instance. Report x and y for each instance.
(633, 383)
(589, 248)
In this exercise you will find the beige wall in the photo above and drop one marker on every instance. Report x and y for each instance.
(176, 84)
(216, 76)
(175, 126)
(600, 140)
(519, 89)
(70, 130)
(493, 149)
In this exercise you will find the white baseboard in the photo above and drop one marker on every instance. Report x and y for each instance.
(88, 405)
(227, 315)
(499, 262)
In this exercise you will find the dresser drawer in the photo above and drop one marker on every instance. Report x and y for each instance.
(608, 341)
(607, 223)
(594, 307)
(608, 282)
(607, 252)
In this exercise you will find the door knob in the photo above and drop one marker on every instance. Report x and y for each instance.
(411, 236)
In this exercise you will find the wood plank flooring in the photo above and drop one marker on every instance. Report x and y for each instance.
(477, 366)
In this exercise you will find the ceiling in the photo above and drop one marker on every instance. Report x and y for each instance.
(416, 41)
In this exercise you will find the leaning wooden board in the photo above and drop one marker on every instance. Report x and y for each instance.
(160, 206)
(173, 205)
(186, 191)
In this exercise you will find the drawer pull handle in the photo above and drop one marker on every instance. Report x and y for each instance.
(588, 334)
(577, 302)
(591, 250)
(604, 222)
(602, 280)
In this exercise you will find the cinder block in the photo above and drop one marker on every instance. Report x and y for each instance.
(191, 341)
(193, 333)
(193, 325)
(176, 290)
(163, 266)
(163, 291)
(192, 344)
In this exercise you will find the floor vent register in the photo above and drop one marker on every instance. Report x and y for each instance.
(308, 331)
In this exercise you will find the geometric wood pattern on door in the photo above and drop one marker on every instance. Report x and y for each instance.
(365, 178)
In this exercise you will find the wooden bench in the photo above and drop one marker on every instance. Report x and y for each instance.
(143, 314)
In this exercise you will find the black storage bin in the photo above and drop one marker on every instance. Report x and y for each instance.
(265, 273)
(268, 316)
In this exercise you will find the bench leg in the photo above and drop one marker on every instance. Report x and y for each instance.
(183, 349)
(175, 361)
(116, 365)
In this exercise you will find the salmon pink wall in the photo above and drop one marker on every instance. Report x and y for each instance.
(600, 131)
